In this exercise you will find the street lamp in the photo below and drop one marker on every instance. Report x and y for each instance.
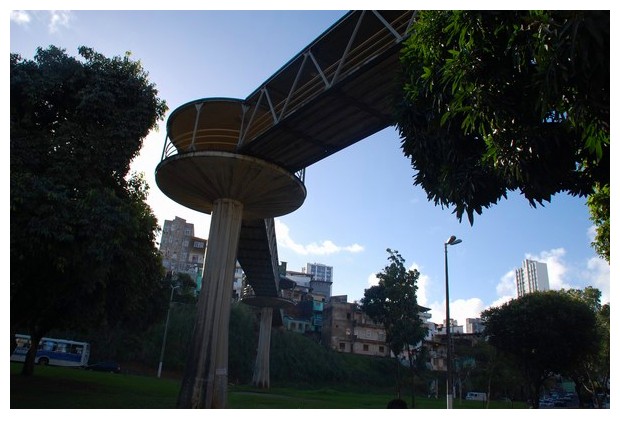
(451, 242)
(163, 344)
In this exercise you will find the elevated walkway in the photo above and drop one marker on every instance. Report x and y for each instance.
(335, 92)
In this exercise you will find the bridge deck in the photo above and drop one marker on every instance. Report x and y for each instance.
(336, 92)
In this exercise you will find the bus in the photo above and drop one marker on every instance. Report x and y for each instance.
(53, 351)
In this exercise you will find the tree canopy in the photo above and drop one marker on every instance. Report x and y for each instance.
(599, 204)
(82, 234)
(498, 101)
(546, 333)
(592, 375)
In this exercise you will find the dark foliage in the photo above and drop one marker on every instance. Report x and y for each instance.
(499, 101)
(545, 332)
(82, 236)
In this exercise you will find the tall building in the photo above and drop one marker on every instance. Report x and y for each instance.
(177, 244)
(532, 277)
(322, 278)
(320, 272)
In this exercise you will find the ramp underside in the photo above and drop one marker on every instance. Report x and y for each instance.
(259, 260)
(255, 257)
(347, 113)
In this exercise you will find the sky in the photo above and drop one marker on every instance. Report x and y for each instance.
(361, 200)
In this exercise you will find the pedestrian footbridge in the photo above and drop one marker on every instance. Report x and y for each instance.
(335, 92)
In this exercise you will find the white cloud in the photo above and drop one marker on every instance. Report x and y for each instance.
(326, 247)
(500, 301)
(463, 309)
(20, 17)
(55, 19)
(424, 283)
(597, 276)
(556, 267)
(507, 286)
(58, 18)
(373, 280)
(460, 310)
(592, 232)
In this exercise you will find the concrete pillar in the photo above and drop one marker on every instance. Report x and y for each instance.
(261, 368)
(205, 384)
(200, 169)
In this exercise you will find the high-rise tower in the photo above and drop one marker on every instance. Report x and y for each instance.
(532, 277)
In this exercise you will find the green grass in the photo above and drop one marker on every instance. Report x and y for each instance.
(54, 387)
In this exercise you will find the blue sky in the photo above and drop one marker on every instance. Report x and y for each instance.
(361, 200)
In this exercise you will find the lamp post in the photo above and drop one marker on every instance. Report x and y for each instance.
(163, 344)
(451, 242)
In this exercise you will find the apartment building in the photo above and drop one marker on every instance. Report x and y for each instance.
(347, 329)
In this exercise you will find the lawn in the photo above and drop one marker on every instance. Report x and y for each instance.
(53, 388)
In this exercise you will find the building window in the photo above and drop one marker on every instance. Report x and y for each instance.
(381, 349)
(365, 347)
(341, 346)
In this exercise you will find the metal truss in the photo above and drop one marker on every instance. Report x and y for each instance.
(346, 47)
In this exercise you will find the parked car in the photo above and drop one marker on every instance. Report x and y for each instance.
(107, 366)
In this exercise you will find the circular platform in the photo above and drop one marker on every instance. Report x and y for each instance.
(197, 179)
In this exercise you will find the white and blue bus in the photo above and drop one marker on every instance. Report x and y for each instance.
(53, 351)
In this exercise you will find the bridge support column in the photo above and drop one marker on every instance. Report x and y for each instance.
(202, 170)
(205, 384)
(261, 368)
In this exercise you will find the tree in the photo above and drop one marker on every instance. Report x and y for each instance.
(82, 234)
(184, 285)
(498, 101)
(592, 375)
(599, 205)
(393, 303)
(242, 343)
(545, 332)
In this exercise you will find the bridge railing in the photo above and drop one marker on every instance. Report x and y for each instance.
(350, 44)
